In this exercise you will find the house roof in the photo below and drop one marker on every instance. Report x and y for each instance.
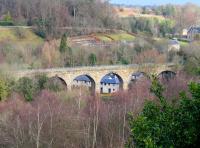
(137, 74)
(84, 78)
(110, 79)
(194, 28)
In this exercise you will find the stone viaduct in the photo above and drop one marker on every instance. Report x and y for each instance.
(98, 72)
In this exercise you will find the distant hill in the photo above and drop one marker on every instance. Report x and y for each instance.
(124, 11)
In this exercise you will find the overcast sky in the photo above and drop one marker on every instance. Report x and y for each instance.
(153, 2)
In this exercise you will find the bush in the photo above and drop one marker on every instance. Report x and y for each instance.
(27, 88)
(63, 44)
(7, 20)
(3, 89)
(6, 23)
(92, 59)
(41, 82)
(164, 125)
(40, 28)
(20, 32)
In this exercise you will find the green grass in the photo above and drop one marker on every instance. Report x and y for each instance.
(121, 36)
(182, 43)
(6, 34)
(20, 46)
(103, 38)
(114, 37)
(21, 36)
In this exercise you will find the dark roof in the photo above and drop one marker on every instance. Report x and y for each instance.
(110, 79)
(137, 74)
(84, 78)
(194, 28)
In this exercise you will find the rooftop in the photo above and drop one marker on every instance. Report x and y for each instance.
(84, 78)
(197, 28)
(137, 74)
(110, 79)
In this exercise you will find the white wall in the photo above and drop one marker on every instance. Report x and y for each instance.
(105, 88)
(81, 83)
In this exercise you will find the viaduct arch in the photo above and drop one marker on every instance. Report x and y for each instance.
(98, 72)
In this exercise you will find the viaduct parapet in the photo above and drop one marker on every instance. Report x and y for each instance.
(98, 72)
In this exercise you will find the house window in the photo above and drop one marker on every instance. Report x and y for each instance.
(109, 90)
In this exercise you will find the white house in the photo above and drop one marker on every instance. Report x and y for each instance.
(193, 32)
(137, 76)
(110, 83)
(184, 33)
(82, 81)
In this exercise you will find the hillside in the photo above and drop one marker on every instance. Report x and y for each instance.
(19, 35)
(19, 47)
(96, 39)
(124, 12)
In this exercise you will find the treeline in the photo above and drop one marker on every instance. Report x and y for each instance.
(152, 26)
(49, 16)
(176, 18)
(184, 15)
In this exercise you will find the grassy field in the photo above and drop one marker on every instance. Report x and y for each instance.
(102, 37)
(21, 36)
(115, 37)
(182, 43)
(121, 37)
(20, 47)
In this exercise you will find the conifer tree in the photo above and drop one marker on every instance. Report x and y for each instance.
(63, 43)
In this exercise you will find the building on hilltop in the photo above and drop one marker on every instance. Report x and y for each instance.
(184, 33)
(193, 32)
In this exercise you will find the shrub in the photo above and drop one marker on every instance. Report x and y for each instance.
(7, 20)
(41, 82)
(63, 43)
(20, 32)
(3, 89)
(4, 23)
(27, 88)
(40, 29)
(92, 59)
(161, 124)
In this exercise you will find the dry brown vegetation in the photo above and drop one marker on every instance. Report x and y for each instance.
(67, 119)
(134, 12)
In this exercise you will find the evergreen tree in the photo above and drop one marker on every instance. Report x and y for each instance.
(63, 44)
(92, 59)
